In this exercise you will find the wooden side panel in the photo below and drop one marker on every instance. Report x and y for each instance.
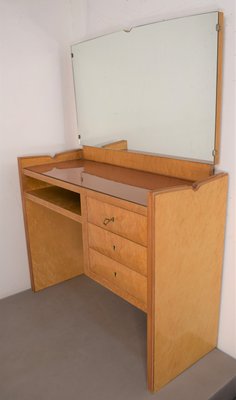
(151, 316)
(55, 246)
(29, 183)
(151, 163)
(187, 253)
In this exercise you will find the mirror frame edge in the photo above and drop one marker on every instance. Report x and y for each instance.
(218, 105)
(219, 87)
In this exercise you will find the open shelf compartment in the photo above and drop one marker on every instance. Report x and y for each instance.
(58, 199)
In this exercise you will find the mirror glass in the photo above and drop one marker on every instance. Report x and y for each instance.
(154, 86)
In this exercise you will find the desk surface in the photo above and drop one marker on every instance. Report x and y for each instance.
(124, 183)
(180, 244)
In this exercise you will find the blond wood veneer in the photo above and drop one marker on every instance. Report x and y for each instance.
(186, 248)
(120, 276)
(55, 246)
(178, 168)
(167, 258)
(128, 224)
(119, 249)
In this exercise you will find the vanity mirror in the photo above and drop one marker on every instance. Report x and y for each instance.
(157, 86)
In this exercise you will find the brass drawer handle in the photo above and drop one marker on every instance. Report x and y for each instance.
(107, 220)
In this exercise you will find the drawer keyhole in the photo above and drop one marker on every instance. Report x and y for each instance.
(115, 273)
(114, 247)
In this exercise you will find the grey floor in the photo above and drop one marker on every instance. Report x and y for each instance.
(79, 341)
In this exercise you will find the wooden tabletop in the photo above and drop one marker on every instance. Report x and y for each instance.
(125, 183)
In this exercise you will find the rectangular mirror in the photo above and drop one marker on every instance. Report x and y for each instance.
(155, 86)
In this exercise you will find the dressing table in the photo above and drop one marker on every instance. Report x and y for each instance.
(148, 227)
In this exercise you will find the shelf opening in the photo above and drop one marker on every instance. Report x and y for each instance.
(58, 199)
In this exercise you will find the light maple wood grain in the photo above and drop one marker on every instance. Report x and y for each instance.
(33, 184)
(29, 161)
(151, 314)
(62, 201)
(125, 223)
(119, 145)
(185, 274)
(119, 249)
(52, 181)
(182, 227)
(84, 212)
(55, 246)
(178, 168)
(30, 183)
(126, 205)
(118, 291)
(119, 275)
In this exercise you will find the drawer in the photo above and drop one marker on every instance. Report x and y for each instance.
(120, 276)
(119, 249)
(125, 223)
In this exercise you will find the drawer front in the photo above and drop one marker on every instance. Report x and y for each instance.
(125, 223)
(119, 275)
(119, 249)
